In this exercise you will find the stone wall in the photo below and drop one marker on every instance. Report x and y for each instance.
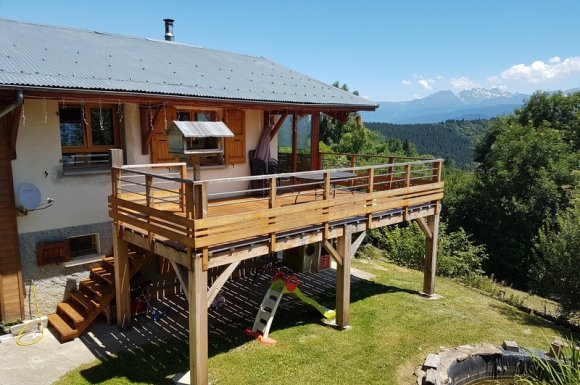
(54, 281)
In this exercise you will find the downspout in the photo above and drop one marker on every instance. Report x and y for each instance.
(15, 104)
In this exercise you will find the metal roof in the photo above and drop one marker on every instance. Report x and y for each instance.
(202, 129)
(37, 55)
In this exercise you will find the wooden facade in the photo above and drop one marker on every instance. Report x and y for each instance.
(155, 207)
(11, 285)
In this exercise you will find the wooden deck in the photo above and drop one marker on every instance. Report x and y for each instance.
(180, 219)
(198, 225)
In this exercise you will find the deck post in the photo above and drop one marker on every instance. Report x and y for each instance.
(122, 279)
(430, 255)
(344, 246)
(198, 339)
(315, 141)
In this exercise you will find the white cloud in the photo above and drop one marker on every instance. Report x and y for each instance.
(463, 83)
(539, 71)
(426, 84)
(439, 77)
(406, 82)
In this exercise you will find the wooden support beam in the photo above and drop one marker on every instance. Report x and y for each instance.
(356, 244)
(343, 279)
(181, 273)
(198, 339)
(425, 227)
(314, 142)
(122, 279)
(219, 282)
(294, 143)
(431, 255)
(277, 126)
(333, 253)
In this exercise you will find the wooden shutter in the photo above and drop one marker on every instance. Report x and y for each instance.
(159, 142)
(235, 148)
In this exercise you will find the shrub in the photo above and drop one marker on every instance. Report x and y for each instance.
(558, 257)
(457, 255)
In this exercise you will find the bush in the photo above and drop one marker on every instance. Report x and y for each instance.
(457, 255)
(558, 257)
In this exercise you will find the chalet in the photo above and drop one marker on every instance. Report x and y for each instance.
(138, 148)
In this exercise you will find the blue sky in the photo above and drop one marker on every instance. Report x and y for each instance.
(387, 50)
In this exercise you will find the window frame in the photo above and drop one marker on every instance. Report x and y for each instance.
(87, 129)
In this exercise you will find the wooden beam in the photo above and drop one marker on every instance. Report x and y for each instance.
(122, 279)
(191, 101)
(198, 339)
(314, 141)
(180, 272)
(356, 244)
(14, 124)
(425, 227)
(343, 279)
(219, 282)
(431, 255)
(277, 126)
(333, 253)
(294, 143)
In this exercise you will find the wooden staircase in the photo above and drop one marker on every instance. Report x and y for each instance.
(92, 298)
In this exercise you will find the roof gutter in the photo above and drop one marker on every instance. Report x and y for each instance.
(15, 104)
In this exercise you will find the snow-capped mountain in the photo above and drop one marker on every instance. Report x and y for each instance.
(477, 103)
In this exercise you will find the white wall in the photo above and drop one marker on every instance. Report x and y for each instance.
(78, 200)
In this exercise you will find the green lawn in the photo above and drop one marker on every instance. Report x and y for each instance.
(393, 329)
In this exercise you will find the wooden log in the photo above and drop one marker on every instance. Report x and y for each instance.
(431, 255)
(198, 332)
(122, 279)
(343, 279)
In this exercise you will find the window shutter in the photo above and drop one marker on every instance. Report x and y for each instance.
(52, 252)
(235, 147)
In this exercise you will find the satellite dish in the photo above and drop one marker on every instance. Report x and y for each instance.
(28, 195)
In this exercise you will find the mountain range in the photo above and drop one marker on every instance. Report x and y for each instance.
(477, 103)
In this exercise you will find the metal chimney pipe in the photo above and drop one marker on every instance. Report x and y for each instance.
(169, 29)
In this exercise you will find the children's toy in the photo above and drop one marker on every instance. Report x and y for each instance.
(280, 285)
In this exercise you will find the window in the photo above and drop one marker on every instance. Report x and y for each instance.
(87, 132)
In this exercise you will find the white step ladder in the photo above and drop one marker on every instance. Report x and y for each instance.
(265, 315)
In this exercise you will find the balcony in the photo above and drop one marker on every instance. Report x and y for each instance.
(227, 220)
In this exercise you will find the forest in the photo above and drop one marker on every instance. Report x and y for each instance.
(513, 215)
(451, 140)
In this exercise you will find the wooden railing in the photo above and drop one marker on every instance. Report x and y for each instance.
(159, 200)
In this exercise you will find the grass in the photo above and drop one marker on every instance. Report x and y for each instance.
(393, 330)
(517, 298)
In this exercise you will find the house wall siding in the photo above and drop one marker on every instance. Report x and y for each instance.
(10, 273)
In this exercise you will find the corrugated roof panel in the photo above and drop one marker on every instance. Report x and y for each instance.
(47, 56)
(202, 129)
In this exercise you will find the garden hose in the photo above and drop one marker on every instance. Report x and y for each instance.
(40, 327)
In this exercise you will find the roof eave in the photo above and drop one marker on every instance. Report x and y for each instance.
(39, 91)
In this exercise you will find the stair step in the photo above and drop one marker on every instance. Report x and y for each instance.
(64, 330)
(83, 300)
(68, 310)
(96, 288)
(103, 275)
(108, 264)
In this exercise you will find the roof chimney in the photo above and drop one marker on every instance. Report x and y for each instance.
(169, 30)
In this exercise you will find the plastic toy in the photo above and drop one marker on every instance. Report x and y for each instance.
(280, 285)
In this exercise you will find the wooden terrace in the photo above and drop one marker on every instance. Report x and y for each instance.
(215, 224)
